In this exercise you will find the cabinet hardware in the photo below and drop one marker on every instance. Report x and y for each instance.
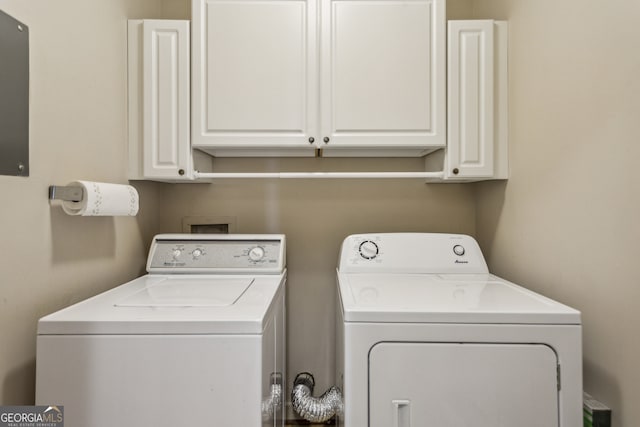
(181, 172)
(326, 139)
(312, 140)
(456, 171)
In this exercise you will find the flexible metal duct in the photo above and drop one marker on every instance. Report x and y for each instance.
(273, 403)
(315, 409)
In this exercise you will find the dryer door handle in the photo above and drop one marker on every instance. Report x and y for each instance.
(401, 413)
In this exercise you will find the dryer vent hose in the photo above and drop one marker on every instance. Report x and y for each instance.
(315, 409)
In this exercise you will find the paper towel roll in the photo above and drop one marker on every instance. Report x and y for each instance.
(103, 199)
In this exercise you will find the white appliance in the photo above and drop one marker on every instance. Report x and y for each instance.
(426, 336)
(200, 340)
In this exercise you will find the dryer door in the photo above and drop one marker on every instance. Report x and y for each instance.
(462, 385)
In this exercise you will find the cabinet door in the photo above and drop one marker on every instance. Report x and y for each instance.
(470, 147)
(382, 77)
(254, 77)
(167, 152)
(158, 100)
(462, 385)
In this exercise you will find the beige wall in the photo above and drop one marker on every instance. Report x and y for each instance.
(566, 222)
(78, 131)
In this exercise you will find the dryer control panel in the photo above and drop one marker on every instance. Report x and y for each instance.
(217, 254)
(411, 253)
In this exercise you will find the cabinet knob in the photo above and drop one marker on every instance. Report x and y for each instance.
(312, 140)
(456, 171)
(326, 139)
(181, 172)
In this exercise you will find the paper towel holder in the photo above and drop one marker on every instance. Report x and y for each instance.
(67, 193)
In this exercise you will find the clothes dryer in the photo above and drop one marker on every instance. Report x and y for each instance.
(427, 336)
(199, 340)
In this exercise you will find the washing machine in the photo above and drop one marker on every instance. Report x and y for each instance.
(198, 341)
(426, 336)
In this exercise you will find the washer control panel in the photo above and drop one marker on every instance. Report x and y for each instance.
(411, 253)
(207, 253)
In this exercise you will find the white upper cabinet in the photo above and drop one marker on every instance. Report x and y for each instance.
(254, 77)
(477, 117)
(159, 145)
(350, 78)
(382, 77)
(285, 77)
(470, 149)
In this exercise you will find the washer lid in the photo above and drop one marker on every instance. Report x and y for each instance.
(188, 291)
(452, 298)
(171, 305)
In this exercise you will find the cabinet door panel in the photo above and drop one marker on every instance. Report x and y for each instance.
(255, 61)
(471, 99)
(253, 72)
(383, 73)
(166, 99)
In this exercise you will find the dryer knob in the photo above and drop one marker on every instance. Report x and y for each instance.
(368, 249)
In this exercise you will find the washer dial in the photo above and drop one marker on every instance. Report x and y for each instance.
(368, 249)
(256, 253)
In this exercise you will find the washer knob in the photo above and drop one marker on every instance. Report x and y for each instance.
(176, 253)
(256, 253)
(196, 253)
(368, 249)
(458, 250)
